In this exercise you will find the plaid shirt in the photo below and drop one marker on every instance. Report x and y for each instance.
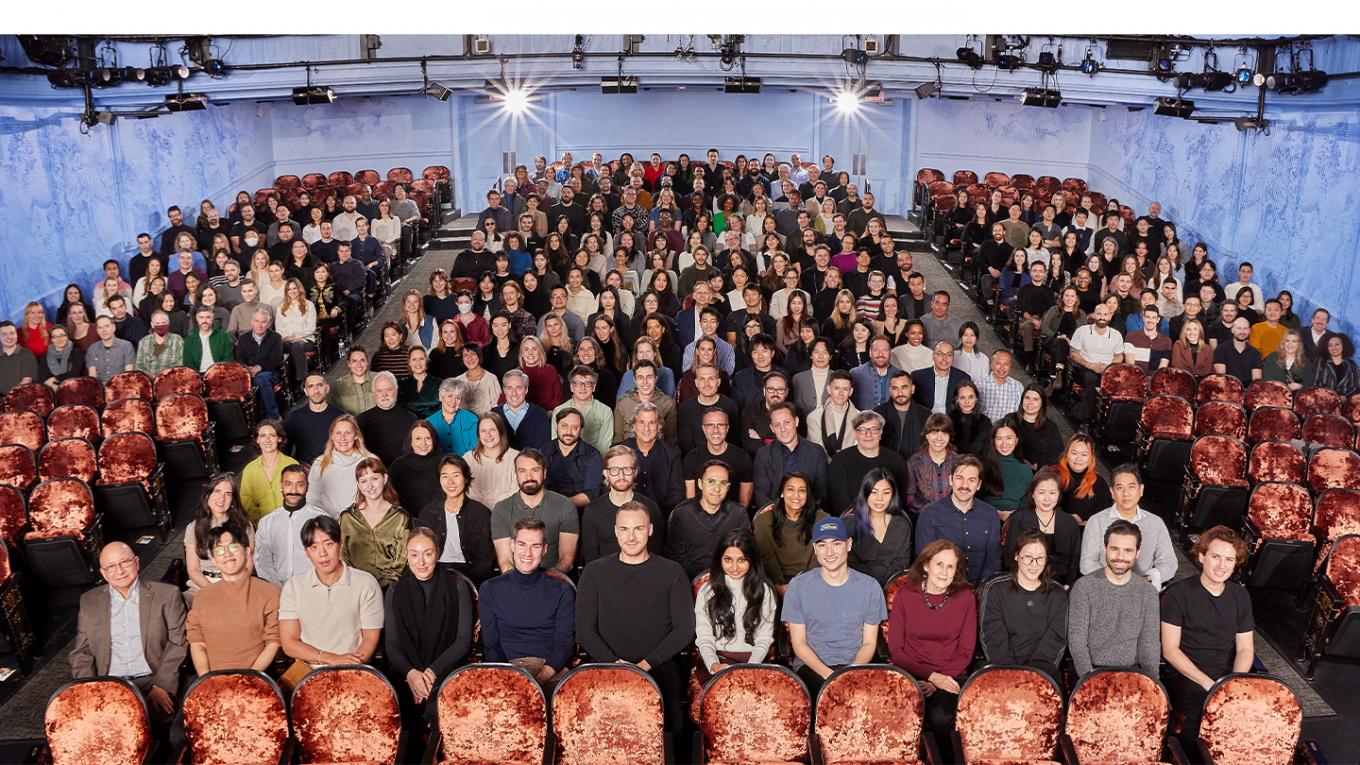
(999, 399)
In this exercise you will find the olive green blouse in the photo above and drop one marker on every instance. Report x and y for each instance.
(782, 562)
(380, 550)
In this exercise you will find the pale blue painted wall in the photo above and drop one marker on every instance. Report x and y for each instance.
(984, 135)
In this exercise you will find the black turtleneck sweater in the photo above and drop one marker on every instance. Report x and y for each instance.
(528, 615)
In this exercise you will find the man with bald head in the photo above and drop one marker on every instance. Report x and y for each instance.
(132, 629)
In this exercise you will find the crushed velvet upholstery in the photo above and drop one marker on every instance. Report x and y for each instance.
(5, 569)
(32, 397)
(1251, 720)
(18, 467)
(68, 458)
(126, 458)
(1334, 469)
(494, 713)
(177, 380)
(60, 507)
(698, 583)
(346, 714)
(1352, 409)
(1273, 423)
(1282, 511)
(74, 421)
(1269, 393)
(228, 381)
(13, 514)
(97, 721)
(1221, 418)
(181, 417)
(1311, 401)
(1123, 382)
(132, 384)
(1331, 430)
(1342, 568)
(85, 391)
(755, 713)
(1337, 514)
(608, 713)
(1218, 387)
(1276, 461)
(235, 717)
(1170, 381)
(1117, 716)
(1219, 461)
(23, 427)
(890, 594)
(869, 714)
(128, 415)
(1008, 713)
(1167, 417)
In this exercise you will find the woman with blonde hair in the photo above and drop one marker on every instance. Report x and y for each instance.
(492, 461)
(373, 529)
(33, 333)
(545, 383)
(419, 327)
(332, 483)
(1288, 364)
(558, 348)
(1192, 351)
(295, 321)
(837, 325)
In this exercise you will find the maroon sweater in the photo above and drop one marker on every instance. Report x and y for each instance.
(922, 640)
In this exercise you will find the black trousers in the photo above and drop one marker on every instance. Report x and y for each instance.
(1187, 699)
(941, 707)
(671, 676)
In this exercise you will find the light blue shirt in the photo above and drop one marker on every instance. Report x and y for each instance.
(727, 357)
(513, 417)
(126, 657)
(941, 395)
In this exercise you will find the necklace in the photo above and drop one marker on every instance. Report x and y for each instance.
(1046, 527)
(933, 606)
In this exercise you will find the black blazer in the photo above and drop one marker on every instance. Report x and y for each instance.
(474, 536)
(904, 443)
(924, 380)
(534, 431)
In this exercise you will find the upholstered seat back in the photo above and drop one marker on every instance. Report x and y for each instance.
(1167, 417)
(18, 466)
(1273, 423)
(346, 714)
(60, 507)
(1008, 713)
(1341, 567)
(755, 713)
(1334, 469)
(85, 391)
(134, 384)
(97, 720)
(1219, 461)
(68, 458)
(181, 417)
(126, 458)
(869, 714)
(1124, 382)
(32, 397)
(177, 380)
(1251, 720)
(23, 427)
(1117, 716)
(605, 713)
(1337, 514)
(1311, 401)
(1221, 418)
(1331, 430)
(1171, 381)
(491, 712)
(1281, 511)
(1276, 461)
(128, 415)
(1218, 387)
(227, 381)
(13, 514)
(235, 716)
(1269, 393)
(74, 421)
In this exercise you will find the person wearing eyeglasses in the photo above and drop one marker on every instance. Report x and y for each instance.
(597, 521)
(234, 623)
(696, 525)
(132, 629)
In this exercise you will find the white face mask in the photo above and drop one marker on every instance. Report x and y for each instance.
(464, 308)
(252, 241)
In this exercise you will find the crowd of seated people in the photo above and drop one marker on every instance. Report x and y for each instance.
(598, 390)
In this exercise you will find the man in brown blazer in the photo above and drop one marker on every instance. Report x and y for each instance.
(131, 629)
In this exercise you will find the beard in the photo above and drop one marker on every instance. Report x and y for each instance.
(531, 487)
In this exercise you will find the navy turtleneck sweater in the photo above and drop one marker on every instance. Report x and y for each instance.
(528, 615)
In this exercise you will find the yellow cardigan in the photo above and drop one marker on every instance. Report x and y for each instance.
(260, 494)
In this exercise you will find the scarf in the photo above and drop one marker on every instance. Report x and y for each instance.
(59, 362)
(425, 626)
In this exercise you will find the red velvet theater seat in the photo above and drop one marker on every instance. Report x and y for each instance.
(367, 177)
(1218, 387)
(24, 428)
(312, 180)
(339, 178)
(869, 714)
(606, 713)
(965, 177)
(131, 486)
(1268, 393)
(1008, 713)
(1219, 461)
(346, 714)
(1311, 401)
(491, 713)
(74, 421)
(400, 175)
(1123, 382)
(32, 397)
(1171, 381)
(1331, 430)
(1273, 423)
(1336, 514)
(128, 415)
(1215, 489)
(1333, 627)
(98, 720)
(897, 582)
(1352, 409)
(1022, 181)
(1168, 417)
(1250, 720)
(754, 714)
(85, 391)
(134, 384)
(1276, 461)
(1334, 469)
(1279, 536)
(1116, 716)
(235, 716)
(177, 380)
(1119, 403)
(996, 179)
(13, 515)
(18, 466)
(68, 458)
(227, 381)
(64, 534)
(1221, 418)
(181, 417)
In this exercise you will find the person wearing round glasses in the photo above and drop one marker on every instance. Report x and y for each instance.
(234, 623)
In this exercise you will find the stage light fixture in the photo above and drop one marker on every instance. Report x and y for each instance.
(855, 56)
(67, 78)
(436, 91)
(46, 50)
(741, 85)
(1047, 61)
(1008, 61)
(1162, 63)
(313, 94)
(1243, 76)
(970, 57)
(1174, 107)
(515, 100)
(620, 84)
(1041, 97)
(926, 90)
(1215, 81)
(158, 76)
(1089, 65)
(578, 52)
(186, 102)
(847, 102)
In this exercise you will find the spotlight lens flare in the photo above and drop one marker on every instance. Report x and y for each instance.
(846, 102)
(516, 100)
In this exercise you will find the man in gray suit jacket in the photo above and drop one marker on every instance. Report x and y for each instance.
(132, 629)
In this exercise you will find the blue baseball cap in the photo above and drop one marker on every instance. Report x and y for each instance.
(830, 528)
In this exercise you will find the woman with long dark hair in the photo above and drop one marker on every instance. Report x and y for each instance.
(931, 466)
(217, 506)
(1024, 620)
(972, 428)
(1040, 440)
(879, 527)
(784, 531)
(734, 610)
(1041, 511)
(1005, 474)
(1085, 493)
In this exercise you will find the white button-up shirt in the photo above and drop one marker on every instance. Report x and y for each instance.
(126, 657)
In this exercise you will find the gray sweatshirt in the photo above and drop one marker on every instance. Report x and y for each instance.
(704, 634)
(1156, 554)
(1110, 625)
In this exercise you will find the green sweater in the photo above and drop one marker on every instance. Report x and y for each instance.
(1015, 476)
(219, 342)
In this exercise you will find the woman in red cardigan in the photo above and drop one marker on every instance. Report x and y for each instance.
(545, 382)
(932, 630)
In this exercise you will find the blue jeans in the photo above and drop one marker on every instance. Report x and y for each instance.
(263, 383)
